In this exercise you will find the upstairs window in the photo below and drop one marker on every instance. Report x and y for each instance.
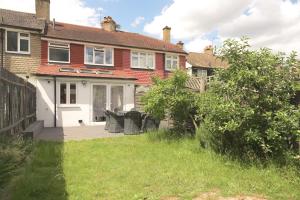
(59, 52)
(68, 93)
(142, 60)
(17, 42)
(98, 56)
(172, 62)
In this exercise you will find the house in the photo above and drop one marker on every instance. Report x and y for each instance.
(20, 46)
(84, 70)
(203, 64)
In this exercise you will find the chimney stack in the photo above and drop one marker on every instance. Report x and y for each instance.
(209, 50)
(42, 9)
(180, 44)
(108, 24)
(167, 34)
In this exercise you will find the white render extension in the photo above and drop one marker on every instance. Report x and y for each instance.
(81, 101)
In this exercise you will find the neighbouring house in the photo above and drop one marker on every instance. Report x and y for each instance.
(20, 45)
(81, 71)
(202, 65)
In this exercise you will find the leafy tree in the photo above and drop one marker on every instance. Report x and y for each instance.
(170, 98)
(247, 111)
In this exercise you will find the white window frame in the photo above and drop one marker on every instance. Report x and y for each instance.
(100, 47)
(68, 94)
(56, 45)
(19, 39)
(140, 52)
(166, 58)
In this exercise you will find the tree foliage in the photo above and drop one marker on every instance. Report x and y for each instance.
(247, 111)
(170, 98)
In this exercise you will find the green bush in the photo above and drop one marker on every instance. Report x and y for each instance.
(247, 111)
(170, 98)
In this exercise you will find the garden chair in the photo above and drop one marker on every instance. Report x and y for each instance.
(132, 122)
(116, 122)
(150, 123)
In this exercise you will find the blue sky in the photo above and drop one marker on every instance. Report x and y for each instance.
(126, 11)
(198, 23)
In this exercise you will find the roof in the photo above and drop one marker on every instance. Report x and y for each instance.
(207, 60)
(81, 71)
(117, 38)
(20, 19)
(196, 84)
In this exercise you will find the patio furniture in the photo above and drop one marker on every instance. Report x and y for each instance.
(106, 113)
(150, 123)
(132, 122)
(116, 122)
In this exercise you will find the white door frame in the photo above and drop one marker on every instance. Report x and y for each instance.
(108, 99)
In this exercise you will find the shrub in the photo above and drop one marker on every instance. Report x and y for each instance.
(171, 98)
(247, 112)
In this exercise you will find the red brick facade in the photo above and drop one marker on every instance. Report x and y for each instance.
(122, 61)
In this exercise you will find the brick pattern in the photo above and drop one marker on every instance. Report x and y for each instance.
(122, 61)
(24, 63)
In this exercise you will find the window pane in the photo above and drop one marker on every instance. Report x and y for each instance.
(150, 61)
(168, 64)
(135, 59)
(143, 60)
(174, 66)
(24, 45)
(60, 55)
(99, 57)
(12, 41)
(73, 93)
(108, 56)
(63, 93)
(117, 98)
(89, 55)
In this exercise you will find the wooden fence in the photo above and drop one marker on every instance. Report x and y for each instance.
(17, 103)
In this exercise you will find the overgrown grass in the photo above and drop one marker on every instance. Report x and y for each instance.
(13, 152)
(140, 167)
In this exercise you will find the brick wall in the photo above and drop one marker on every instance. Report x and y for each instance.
(24, 63)
(122, 61)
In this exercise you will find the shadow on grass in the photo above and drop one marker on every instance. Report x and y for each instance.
(13, 152)
(42, 176)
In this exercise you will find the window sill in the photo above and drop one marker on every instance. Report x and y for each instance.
(140, 68)
(18, 52)
(68, 106)
(99, 65)
(57, 62)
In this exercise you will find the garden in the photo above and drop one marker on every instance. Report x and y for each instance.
(237, 140)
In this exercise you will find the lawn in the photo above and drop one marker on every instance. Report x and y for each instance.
(135, 167)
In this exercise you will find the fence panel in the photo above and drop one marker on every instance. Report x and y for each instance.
(17, 103)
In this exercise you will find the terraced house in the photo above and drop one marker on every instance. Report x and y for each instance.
(80, 71)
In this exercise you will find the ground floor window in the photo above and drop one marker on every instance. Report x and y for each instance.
(200, 72)
(68, 93)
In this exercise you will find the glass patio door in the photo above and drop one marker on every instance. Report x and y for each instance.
(116, 98)
(99, 102)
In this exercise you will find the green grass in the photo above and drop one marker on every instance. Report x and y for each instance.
(135, 167)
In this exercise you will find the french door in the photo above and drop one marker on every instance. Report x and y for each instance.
(109, 97)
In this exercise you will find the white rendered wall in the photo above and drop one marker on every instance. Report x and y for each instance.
(69, 115)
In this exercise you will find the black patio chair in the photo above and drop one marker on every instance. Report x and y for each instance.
(149, 123)
(132, 122)
(106, 113)
(116, 122)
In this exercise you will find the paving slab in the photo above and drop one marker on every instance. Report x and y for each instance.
(75, 133)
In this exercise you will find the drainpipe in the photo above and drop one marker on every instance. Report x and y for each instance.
(54, 101)
(2, 46)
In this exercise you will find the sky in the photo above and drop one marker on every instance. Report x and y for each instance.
(269, 23)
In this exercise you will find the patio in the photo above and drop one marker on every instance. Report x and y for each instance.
(75, 133)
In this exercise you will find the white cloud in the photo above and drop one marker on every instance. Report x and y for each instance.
(137, 21)
(70, 11)
(269, 23)
(198, 44)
